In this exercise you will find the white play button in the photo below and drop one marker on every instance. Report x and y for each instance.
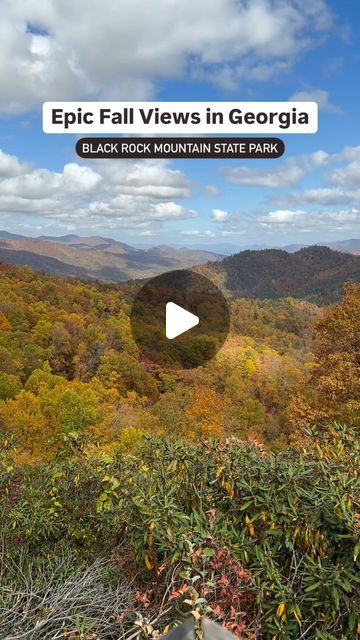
(183, 305)
(178, 320)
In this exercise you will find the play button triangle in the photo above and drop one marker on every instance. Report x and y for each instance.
(178, 320)
(184, 305)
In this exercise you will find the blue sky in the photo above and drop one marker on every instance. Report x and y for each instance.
(181, 50)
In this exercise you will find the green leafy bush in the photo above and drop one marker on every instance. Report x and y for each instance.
(267, 544)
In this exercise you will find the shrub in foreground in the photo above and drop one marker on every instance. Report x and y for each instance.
(267, 545)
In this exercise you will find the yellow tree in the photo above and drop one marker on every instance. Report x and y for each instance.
(205, 414)
(334, 392)
(23, 421)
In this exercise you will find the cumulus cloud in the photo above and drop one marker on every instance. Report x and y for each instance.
(109, 50)
(283, 216)
(348, 177)
(149, 179)
(300, 211)
(285, 221)
(129, 194)
(324, 196)
(210, 191)
(218, 215)
(11, 166)
(316, 95)
(342, 184)
(171, 211)
(79, 179)
(287, 173)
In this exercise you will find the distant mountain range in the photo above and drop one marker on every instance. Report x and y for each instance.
(345, 246)
(96, 257)
(314, 273)
(229, 248)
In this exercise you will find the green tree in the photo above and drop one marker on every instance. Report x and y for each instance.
(10, 385)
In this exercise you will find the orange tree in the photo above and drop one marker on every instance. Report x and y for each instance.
(333, 392)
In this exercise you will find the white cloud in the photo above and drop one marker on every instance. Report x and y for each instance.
(10, 165)
(285, 221)
(283, 216)
(149, 234)
(287, 173)
(30, 183)
(35, 184)
(232, 232)
(284, 175)
(171, 211)
(348, 177)
(218, 215)
(324, 196)
(119, 50)
(198, 233)
(210, 191)
(129, 194)
(79, 179)
(316, 95)
(148, 179)
(347, 154)
(342, 184)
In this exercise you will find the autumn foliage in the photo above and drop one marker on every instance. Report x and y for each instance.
(229, 490)
(72, 381)
(265, 544)
(333, 390)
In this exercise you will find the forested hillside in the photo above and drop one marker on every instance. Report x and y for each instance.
(68, 362)
(133, 497)
(315, 273)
